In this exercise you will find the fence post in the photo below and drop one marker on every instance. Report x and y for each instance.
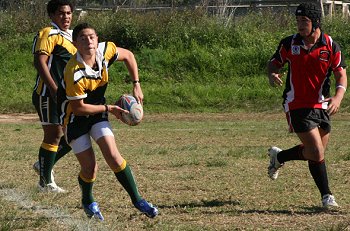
(322, 8)
(346, 10)
(330, 8)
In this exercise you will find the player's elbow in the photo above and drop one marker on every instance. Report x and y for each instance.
(129, 56)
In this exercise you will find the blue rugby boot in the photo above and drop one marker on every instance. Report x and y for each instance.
(92, 210)
(146, 208)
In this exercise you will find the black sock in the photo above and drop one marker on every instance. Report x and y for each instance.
(63, 149)
(319, 173)
(295, 153)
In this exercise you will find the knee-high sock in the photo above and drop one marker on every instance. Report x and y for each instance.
(63, 149)
(86, 189)
(126, 179)
(295, 153)
(319, 173)
(47, 155)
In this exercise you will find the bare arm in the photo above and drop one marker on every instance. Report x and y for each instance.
(129, 59)
(341, 80)
(80, 108)
(41, 64)
(340, 85)
(274, 75)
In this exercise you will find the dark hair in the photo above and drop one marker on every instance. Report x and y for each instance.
(79, 28)
(312, 11)
(53, 5)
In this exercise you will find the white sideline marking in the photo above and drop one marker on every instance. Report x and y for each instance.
(65, 219)
(180, 129)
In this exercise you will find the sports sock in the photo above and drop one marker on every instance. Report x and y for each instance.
(319, 173)
(295, 153)
(63, 149)
(86, 189)
(126, 179)
(47, 155)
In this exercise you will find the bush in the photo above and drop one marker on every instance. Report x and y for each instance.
(181, 55)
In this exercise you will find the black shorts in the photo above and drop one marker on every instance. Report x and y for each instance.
(81, 125)
(306, 119)
(46, 108)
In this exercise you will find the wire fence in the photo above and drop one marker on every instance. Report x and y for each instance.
(216, 7)
(212, 7)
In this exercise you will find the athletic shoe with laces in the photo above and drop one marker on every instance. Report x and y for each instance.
(36, 167)
(146, 208)
(328, 201)
(92, 210)
(52, 187)
(274, 163)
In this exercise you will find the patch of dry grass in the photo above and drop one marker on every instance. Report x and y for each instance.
(203, 171)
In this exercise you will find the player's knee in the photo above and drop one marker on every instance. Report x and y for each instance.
(52, 136)
(314, 153)
(89, 171)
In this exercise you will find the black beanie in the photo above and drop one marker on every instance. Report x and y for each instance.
(312, 11)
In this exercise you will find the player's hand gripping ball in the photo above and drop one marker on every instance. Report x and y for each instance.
(135, 115)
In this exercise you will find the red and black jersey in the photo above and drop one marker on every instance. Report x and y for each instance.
(309, 71)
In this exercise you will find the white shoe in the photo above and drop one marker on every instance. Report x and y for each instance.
(36, 167)
(274, 164)
(52, 187)
(328, 201)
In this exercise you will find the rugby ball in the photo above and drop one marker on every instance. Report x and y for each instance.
(135, 115)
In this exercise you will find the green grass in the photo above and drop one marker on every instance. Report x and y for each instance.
(188, 61)
(205, 171)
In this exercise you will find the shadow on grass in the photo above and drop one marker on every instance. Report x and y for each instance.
(299, 211)
(314, 210)
(202, 203)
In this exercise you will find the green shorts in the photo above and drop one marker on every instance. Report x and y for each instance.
(46, 108)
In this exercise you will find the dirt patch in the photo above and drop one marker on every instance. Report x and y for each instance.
(18, 117)
(27, 118)
(213, 116)
(22, 117)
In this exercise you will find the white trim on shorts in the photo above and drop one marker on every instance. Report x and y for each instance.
(97, 131)
(44, 105)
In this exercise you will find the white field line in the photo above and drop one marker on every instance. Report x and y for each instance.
(182, 129)
(65, 220)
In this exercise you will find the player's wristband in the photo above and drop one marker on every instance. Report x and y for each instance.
(136, 81)
(340, 86)
(106, 108)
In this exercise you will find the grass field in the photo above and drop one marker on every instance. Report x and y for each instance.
(203, 171)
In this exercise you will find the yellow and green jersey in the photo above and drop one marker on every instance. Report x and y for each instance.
(83, 82)
(56, 44)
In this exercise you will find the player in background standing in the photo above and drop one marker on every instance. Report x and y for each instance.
(85, 115)
(52, 48)
(311, 56)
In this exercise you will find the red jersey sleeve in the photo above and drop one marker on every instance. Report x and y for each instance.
(338, 60)
(280, 56)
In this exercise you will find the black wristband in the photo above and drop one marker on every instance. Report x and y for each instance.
(136, 81)
(106, 110)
